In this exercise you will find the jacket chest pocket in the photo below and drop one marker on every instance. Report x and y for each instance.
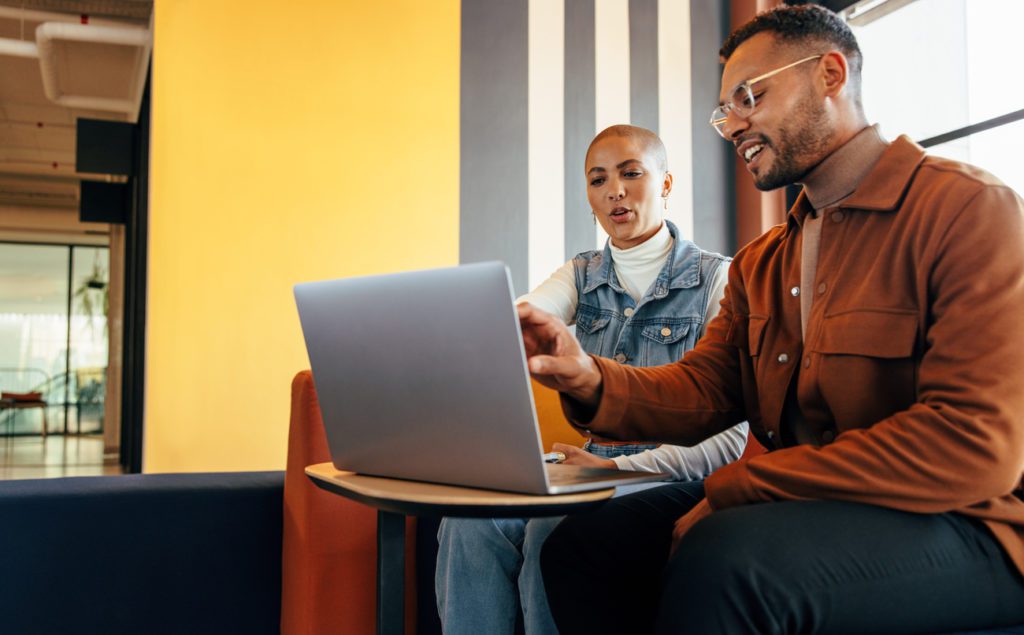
(754, 334)
(867, 366)
(664, 343)
(592, 331)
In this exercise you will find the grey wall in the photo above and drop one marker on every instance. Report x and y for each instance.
(714, 201)
(493, 152)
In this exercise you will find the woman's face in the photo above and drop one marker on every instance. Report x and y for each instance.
(625, 188)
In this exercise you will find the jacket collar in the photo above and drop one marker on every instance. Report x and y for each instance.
(680, 271)
(882, 189)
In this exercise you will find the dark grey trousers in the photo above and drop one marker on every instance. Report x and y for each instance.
(792, 567)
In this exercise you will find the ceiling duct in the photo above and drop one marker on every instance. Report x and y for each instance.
(100, 65)
(50, 38)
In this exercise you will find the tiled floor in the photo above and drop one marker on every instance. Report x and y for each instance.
(57, 455)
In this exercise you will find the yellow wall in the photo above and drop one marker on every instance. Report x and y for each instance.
(290, 142)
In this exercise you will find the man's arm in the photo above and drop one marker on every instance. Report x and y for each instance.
(962, 443)
(681, 403)
(555, 357)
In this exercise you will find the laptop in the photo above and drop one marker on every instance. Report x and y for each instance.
(422, 376)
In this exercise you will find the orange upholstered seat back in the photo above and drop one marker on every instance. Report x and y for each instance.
(553, 425)
(329, 550)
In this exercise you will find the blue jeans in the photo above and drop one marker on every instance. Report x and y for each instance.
(489, 568)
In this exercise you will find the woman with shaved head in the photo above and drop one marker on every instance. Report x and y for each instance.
(643, 300)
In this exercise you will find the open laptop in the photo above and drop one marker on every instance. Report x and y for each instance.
(423, 376)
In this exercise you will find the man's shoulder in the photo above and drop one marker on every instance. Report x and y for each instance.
(945, 186)
(940, 171)
(764, 245)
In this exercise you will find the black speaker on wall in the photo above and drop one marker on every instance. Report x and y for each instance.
(104, 202)
(104, 147)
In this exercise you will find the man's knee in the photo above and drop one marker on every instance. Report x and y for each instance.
(723, 548)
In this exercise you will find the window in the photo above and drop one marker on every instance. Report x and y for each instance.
(937, 71)
(53, 334)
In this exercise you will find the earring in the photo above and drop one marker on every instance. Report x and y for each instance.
(665, 199)
(593, 216)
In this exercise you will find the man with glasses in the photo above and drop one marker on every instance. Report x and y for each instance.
(872, 341)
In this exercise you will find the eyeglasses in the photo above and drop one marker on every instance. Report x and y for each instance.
(742, 102)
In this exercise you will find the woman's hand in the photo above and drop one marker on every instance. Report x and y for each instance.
(579, 456)
(555, 357)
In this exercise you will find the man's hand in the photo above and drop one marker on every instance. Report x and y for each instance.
(579, 456)
(555, 357)
(686, 523)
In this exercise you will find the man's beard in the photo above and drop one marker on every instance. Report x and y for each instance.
(798, 150)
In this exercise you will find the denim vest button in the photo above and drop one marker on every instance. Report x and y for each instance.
(628, 312)
(783, 358)
(795, 291)
(620, 358)
(665, 332)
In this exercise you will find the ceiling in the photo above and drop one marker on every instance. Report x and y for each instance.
(94, 54)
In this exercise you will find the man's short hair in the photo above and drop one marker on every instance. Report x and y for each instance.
(808, 27)
(648, 140)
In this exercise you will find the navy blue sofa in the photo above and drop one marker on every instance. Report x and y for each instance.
(155, 553)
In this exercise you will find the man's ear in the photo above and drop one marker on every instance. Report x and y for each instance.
(834, 73)
(666, 186)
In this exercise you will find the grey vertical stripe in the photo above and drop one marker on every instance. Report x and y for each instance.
(643, 63)
(493, 212)
(714, 198)
(580, 119)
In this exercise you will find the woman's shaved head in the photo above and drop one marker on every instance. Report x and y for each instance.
(649, 141)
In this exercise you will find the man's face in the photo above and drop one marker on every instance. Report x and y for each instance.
(625, 188)
(789, 131)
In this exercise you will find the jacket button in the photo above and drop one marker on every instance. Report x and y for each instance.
(620, 358)
(771, 434)
(807, 362)
(822, 287)
(628, 312)
(828, 436)
(837, 217)
(665, 332)
(795, 291)
(783, 358)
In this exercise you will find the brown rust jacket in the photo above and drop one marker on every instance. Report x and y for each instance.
(910, 374)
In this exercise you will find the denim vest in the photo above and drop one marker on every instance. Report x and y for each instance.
(667, 321)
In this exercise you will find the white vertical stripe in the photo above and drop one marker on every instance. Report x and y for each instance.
(546, 138)
(611, 70)
(675, 108)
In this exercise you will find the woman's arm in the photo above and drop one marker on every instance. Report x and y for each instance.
(557, 295)
(693, 463)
